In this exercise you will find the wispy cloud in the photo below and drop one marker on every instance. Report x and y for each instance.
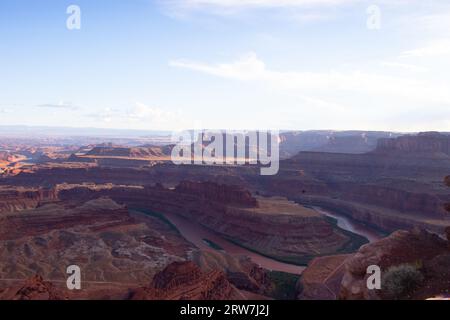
(435, 48)
(248, 67)
(182, 8)
(258, 3)
(251, 68)
(310, 17)
(60, 105)
(142, 116)
(404, 66)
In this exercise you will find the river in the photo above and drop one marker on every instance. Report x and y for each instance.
(353, 226)
(197, 235)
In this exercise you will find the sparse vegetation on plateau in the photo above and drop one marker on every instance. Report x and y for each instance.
(284, 285)
(400, 281)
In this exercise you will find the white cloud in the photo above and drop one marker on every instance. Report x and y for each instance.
(310, 17)
(59, 105)
(251, 68)
(183, 8)
(435, 48)
(436, 23)
(259, 3)
(141, 116)
(148, 117)
(405, 66)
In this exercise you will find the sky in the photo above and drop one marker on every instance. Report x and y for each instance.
(226, 64)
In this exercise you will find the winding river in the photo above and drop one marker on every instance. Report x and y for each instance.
(353, 226)
(197, 234)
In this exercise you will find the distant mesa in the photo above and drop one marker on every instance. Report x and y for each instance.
(423, 143)
(132, 152)
(350, 142)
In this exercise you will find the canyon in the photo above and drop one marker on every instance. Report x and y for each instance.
(144, 228)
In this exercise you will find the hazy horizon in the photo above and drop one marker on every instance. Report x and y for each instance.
(24, 131)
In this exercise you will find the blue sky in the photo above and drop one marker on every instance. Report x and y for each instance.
(170, 65)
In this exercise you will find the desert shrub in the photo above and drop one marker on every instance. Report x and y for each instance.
(399, 282)
(284, 285)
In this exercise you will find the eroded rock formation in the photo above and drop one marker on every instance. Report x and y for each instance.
(346, 277)
(113, 247)
(35, 288)
(185, 281)
(20, 198)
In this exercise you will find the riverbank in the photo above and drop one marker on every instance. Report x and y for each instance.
(203, 238)
(197, 234)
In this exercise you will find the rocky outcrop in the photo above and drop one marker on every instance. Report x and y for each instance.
(240, 270)
(322, 278)
(185, 281)
(34, 288)
(417, 247)
(345, 277)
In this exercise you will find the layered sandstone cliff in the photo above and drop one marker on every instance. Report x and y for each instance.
(185, 281)
(113, 247)
(20, 198)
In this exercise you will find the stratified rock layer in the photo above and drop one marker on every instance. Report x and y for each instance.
(185, 281)
(34, 288)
